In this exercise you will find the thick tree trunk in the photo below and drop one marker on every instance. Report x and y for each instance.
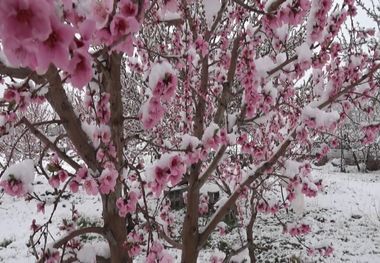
(190, 232)
(116, 226)
(116, 229)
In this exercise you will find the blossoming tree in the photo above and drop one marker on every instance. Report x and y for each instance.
(229, 93)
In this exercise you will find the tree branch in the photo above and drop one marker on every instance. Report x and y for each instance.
(49, 144)
(60, 103)
(78, 232)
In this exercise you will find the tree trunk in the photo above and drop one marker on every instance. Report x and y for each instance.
(251, 245)
(116, 226)
(190, 232)
(116, 229)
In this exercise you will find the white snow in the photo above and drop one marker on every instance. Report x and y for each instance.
(345, 214)
(211, 10)
(23, 171)
(87, 254)
(158, 72)
(188, 140)
(322, 118)
(210, 131)
(304, 53)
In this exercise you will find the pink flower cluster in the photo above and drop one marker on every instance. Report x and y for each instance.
(370, 133)
(134, 240)
(102, 134)
(13, 186)
(168, 169)
(107, 180)
(56, 179)
(201, 46)
(167, 218)
(216, 259)
(213, 137)
(265, 207)
(203, 204)
(45, 33)
(163, 83)
(222, 228)
(127, 205)
(59, 174)
(322, 152)
(324, 251)
(157, 253)
(297, 229)
(89, 184)
(18, 95)
(51, 256)
(38, 37)
(292, 14)
(303, 182)
(318, 18)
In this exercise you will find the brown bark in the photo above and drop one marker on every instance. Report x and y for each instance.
(115, 229)
(250, 244)
(116, 226)
(60, 103)
(190, 232)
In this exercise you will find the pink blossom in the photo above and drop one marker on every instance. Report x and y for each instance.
(55, 49)
(157, 253)
(90, 186)
(122, 25)
(41, 207)
(127, 206)
(201, 46)
(51, 256)
(298, 229)
(125, 46)
(74, 186)
(134, 250)
(127, 8)
(11, 95)
(107, 180)
(203, 204)
(80, 68)
(54, 181)
(156, 187)
(20, 53)
(105, 133)
(177, 169)
(165, 87)
(170, 5)
(13, 187)
(161, 174)
(81, 173)
(63, 175)
(25, 19)
(216, 259)
(100, 11)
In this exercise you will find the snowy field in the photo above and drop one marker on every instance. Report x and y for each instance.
(346, 215)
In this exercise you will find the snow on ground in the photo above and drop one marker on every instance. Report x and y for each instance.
(346, 214)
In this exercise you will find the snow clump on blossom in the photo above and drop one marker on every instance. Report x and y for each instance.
(163, 84)
(168, 169)
(18, 178)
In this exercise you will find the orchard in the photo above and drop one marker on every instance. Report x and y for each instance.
(133, 101)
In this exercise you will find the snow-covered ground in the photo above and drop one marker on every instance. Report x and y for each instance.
(346, 215)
